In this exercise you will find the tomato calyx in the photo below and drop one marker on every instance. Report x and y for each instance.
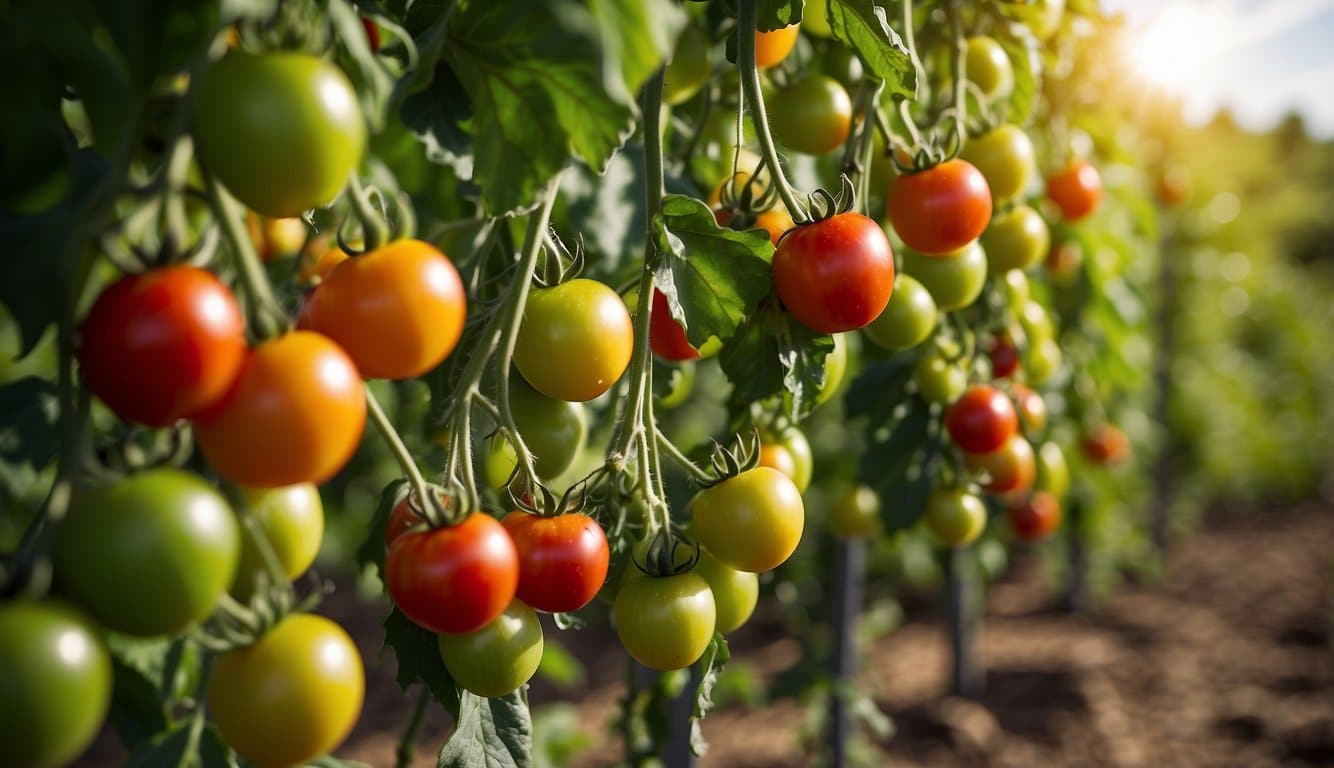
(728, 462)
(375, 229)
(824, 205)
(662, 555)
(537, 499)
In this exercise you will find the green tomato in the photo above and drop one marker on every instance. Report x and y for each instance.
(989, 67)
(292, 521)
(665, 623)
(499, 462)
(554, 430)
(1016, 240)
(815, 18)
(1036, 322)
(500, 656)
(1042, 361)
(954, 516)
(1053, 473)
(939, 380)
(56, 686)
(955, 280)
(841, 63)
(1006, 158)
(908, 318)
(835, 369)
(812, 116)
(1017, 291)
(691, 65)
(856, 514)
(734, 592)
(751, 522)
(150, 555)
(282, 131)
(790, 453)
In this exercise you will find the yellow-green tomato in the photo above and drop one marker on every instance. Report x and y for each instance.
(554, 430)
(751, 522)
(856, 513)
(1006, 158)
(989, 67)
(500, 656)
(291, 520)
(955, 517)
(1043, 361)
(667, 622)
(1053, 472)
(815, 18)
(575, 340)
(1017, 290)
(907, 319)
(955, 279)
(1016, 240)
(1036, 322)
(734, 592)
(681, 384)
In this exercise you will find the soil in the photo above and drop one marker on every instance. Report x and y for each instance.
(1227, 661)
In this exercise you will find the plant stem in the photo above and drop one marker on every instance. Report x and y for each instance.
(747, 13)
(867, 145)
(374, 229)
(267, 315)
(197, 720)
(910, 40)
(407, 743)
(959, 66)
(401, 455)
(680, 458)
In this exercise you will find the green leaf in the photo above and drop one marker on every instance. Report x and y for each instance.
(712, 277)
(168, 748)
(214, 751)
(436, 116)
(776, 14)
(31, 407)
(495, 733)
(639, 35)
(1025, 54)
(608, 209)
(773, 354)
(535, 73)
(863, 26)
(418, 655)
(372, 549)
(709, 666)
(373, 80)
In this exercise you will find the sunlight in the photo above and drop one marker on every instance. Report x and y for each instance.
(1178, 48)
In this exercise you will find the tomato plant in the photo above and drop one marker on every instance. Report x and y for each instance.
(562, 560)
(989, 67)
(856, 513)
(835, 275)
(790, 453)
(941, 209)
(575, 340)
(454, 579)
(498, 657)
(938, 379)
(1016, 239)
(150, 554)
(690, 66)
(751, 522)
(554, 431)
(665, 622)
(1012, 467)
(1106, 444)
(1036, 518)
(163, 345)
(771, 48)
(293, 695)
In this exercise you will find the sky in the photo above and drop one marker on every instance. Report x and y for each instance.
(1259, 58)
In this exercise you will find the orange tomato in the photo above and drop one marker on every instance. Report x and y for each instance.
(772, 47)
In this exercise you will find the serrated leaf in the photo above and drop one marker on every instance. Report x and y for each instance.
(863, 26)
(495, 733)
(372, 549)
(31, 407)
(436, 116)
(608, 209)
(709, 666)
(418, 655)
(773, 354)
(535, 75)
(711, 276)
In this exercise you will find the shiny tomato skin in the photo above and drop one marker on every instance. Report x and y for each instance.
(989, 67)
(397, 311)
(403, 518)
(56, 687)
(665, 334)
(664, 623)
(453, 579)
(735, 593)
(954, 279)
(1053, 471)
(772, 47)
(1010, 468)
(908, 318)
(292, 696)
(562, 560)
(812, 116)
(498, 658)
(939, 380)
(941, 209)
(1031, 407)
(163, 345)
(835, 275)
(1006, 158)
(575, 340)
(1076, 190)
(1036, 518)
(751, 522)
(954, 516)
(294, 415)
(982, 420)
(291, 520)
(1016, 239)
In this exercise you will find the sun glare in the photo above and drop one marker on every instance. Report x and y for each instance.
(1177, 49)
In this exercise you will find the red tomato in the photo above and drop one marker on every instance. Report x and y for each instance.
(454, 579)
(1004, 357)
(294, 415)
(665, 335)
(401, 519)
(1032, 408)
(1012, 467)
(1035, 518)
(1076, 190)
(982, 420)
(562, 560)
(941, 209)
(1106, 444)
(398, 311)
(163, 345)
(835, 275)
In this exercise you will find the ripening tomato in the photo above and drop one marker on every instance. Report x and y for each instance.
(665, 335)
(776, 221)
(319, 258)
(815, 18)
(453, 579)
(790, 453)
(56, 686)
(908, 318)
(149, 555)
(690, 67)
(835, 275)
(1107, 445)
(1036, 322)
(282, 131)
(1006, 159)
(856, 514)
(954, 280)
(1044, 360)
(403, 518)
(1009, 468)
(1017, 291)
(1076, 190)
(1016, 239)
(1031, 407)
(397, 311)
(665, 623)
(294, 415)
(812, 116)
(1063, 262)
(982, 420)
(1004, 357)
(751, 522)
(941, 209)
(774, 46)
(562, 560)
(734, 592)
(499, 657)
(575, 340)
(291, 520)
(1036, 518)
(956, 517)
(553, 430)
(292, 696)
(939, 380)
(163, 345)
(1053, 472)
(274, 238)
(1174, 186)
(989, 67)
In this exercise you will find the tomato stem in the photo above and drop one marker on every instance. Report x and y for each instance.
(268, 317)
(959, 66)
(675, 453)
(374, 229)
(401, 455)
(407, 742)
(747, 15)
